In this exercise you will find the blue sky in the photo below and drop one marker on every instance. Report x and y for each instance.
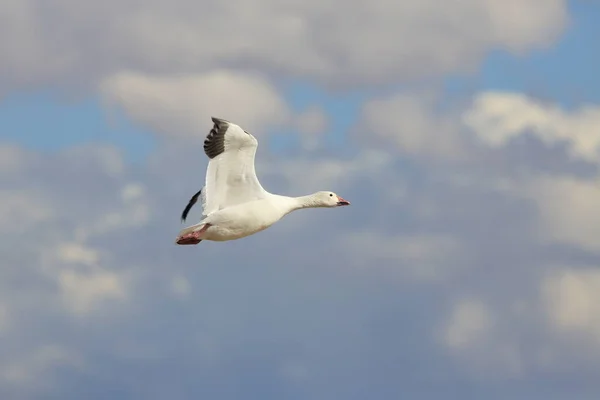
(565, 73)
(466, 139)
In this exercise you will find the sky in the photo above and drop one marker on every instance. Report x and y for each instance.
(466, 137)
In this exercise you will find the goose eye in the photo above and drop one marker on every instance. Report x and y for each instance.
(330, 194)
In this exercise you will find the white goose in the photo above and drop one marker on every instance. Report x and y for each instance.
(234, 203)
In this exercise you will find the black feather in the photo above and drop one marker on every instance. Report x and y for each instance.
(214, 144)
(189, 206)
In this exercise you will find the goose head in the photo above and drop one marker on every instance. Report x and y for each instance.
(329, 199)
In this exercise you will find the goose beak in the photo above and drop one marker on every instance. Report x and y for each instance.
(342, 202)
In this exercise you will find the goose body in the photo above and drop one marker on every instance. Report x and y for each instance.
(234, 203)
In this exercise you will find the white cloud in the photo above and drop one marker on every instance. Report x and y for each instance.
(334, 42)
(544, 318)
(133, 192)
(566, 203)
(182, 105)
(409, 121)
(81, 292)
(487, 339)
(531, 23)
(77, 253)
(567, 209)
(572, 302)
(473, 132)
(499, 117)
(469, 324)
(45, 228)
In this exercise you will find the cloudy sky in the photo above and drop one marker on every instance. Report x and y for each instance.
(466, 135)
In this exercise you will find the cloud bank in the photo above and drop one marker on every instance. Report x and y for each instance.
(467, 264)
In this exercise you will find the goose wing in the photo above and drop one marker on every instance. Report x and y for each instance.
(230, 176)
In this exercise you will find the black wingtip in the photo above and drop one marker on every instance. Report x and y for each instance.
(189, 206)
(218, 121)
(214, 144)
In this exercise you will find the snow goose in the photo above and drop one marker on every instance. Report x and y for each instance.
(234, 203)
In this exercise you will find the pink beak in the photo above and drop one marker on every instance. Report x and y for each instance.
(342, 202)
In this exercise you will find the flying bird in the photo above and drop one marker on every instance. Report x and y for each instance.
(234, 203)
